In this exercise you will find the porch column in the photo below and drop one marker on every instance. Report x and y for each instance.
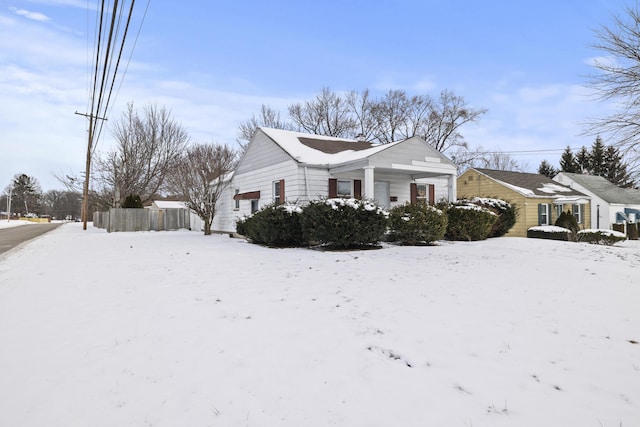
(452, 188)
(369, 181)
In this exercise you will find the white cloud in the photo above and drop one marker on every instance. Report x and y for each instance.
(82, 4)
(36, 16)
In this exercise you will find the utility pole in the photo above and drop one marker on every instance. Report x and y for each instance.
(9, 205)
(85, 192)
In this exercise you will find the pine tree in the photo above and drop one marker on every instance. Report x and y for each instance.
(597, 165)
(583, 160)
(27, 195)
(615, 169)
(568, 161)
(546, 169)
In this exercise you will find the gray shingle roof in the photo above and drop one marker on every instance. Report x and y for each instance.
(531, 184)
(606, 190)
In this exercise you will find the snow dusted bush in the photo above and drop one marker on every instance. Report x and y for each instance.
(415, 224)
(343, 223)
(551, 232)
(468, 221)
(507, 214)
(273, 225)
(601, 237)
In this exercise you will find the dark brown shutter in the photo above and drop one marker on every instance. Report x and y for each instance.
(282, 199)
(357, 189)
(413, 193)
(432, 194)
(333, 188)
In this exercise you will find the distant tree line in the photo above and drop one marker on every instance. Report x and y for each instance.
(600, 160)
(27, 198)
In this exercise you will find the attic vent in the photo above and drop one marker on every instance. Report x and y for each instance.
(470, 177)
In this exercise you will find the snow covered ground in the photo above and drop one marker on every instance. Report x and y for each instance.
(179, 329)
(14, 223)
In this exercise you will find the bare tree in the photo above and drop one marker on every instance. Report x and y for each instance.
(147, 146)
(200, 176)
(268, 117)
(363, 109)
(618, 79)
(447, 115)
(502, 161)
(328, 114)
(391, 115)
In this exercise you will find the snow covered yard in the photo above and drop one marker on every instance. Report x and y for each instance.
(179, 329)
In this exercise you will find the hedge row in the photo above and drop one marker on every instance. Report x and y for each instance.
(349, 223)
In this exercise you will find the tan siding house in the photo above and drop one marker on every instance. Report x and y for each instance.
(538, 199)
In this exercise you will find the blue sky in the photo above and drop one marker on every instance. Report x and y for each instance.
(214, 63)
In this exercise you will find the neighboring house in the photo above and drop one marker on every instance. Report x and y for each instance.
(610, 204)
(195, 222)
(538, 199)
(283, 166)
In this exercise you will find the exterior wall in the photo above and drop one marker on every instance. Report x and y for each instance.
(255, 180)
(441, 186)
(414, 148)
(261, 153)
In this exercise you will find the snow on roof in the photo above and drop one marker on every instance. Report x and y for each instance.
(290, 142)
(530, 184)
(169, 204)
(554, 188)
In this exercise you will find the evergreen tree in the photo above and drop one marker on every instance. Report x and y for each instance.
(583, 160)
(26, 194)
(597, 164)
(546, 169)
(615, 170)
(568, 161)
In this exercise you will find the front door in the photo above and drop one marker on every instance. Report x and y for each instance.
(381, 193)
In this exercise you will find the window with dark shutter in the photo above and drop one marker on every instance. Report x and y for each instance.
(282, 196)
(333, 188)
(413, 193)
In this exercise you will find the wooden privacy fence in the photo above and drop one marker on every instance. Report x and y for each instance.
(121, 219)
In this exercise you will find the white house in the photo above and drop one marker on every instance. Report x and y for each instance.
(283, 166)
(609, 203)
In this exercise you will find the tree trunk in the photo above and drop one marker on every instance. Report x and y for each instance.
(207, 226)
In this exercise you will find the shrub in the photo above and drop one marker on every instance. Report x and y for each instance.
(601, 237)
(568, 221)
(507, 214)
(343, 223)
(132, 201)
(469, 222)
(274, 226)
(414, 224)
(550, 232)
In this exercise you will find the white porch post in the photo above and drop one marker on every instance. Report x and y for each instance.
(369, 181)
(452, 188)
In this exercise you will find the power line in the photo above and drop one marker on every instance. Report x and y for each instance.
(109, 32)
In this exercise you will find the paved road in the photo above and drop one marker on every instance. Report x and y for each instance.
(12, 236)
